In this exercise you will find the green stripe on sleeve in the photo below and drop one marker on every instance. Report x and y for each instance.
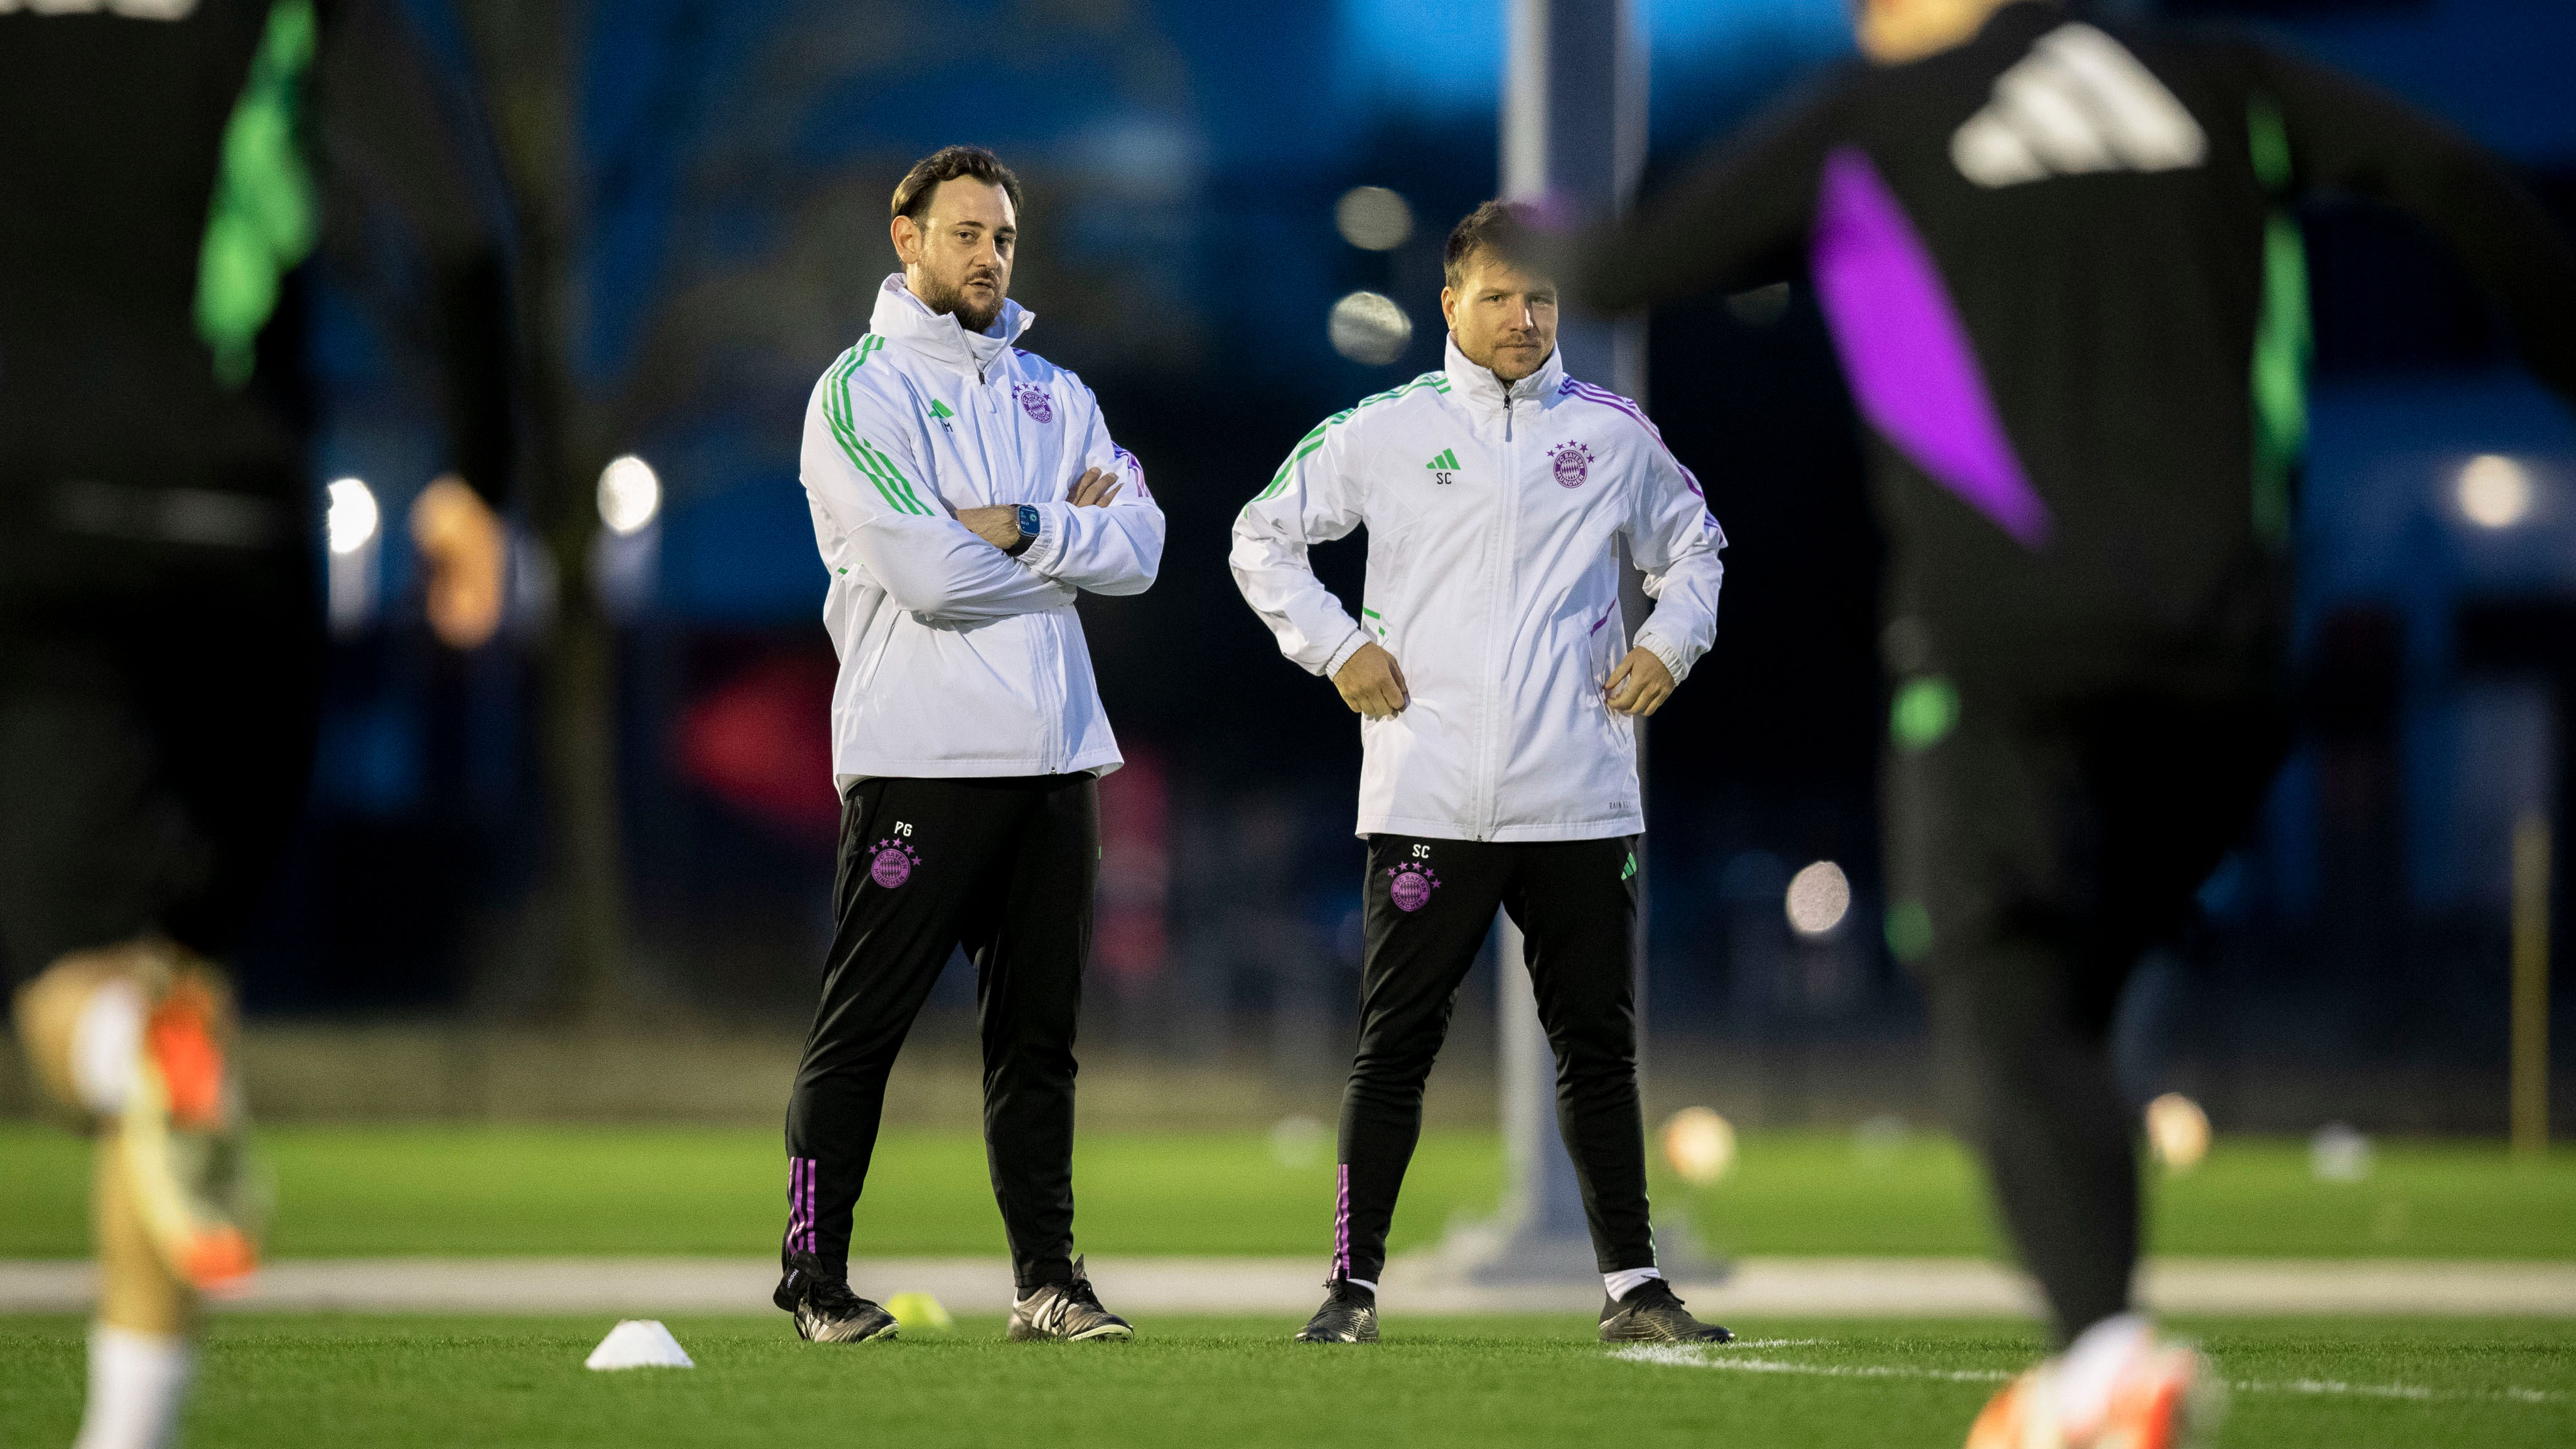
(836, 404)
(901, 483)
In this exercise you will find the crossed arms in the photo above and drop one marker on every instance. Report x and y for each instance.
(966, 566)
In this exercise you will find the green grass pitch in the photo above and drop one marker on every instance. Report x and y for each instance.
(2304, 1384)
(362, 1191)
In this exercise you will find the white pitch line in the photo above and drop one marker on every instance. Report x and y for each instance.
(1683, 1356)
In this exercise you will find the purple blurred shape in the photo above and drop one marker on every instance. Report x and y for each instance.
(1912, 369)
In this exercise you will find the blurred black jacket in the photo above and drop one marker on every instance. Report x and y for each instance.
(160, 180)
(2060, 270)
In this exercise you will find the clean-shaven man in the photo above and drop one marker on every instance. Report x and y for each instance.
(2059, 262)
(963, 492)
(1498, 691)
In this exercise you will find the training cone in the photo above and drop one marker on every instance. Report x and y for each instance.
(639, 1343)
(919, 1313)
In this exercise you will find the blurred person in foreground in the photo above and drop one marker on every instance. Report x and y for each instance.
(2059, 267)
(160, 638)
(963, 492)
(1497, 691)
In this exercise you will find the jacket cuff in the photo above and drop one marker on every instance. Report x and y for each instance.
(1343, 655)
(1675, 663)
(1047, 548)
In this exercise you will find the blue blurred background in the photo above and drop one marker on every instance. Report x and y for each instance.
(1181, 252)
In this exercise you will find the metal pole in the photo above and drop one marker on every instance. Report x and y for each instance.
(2531, 985)
(1574, 130)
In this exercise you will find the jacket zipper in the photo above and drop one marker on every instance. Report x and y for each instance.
(1489, 767)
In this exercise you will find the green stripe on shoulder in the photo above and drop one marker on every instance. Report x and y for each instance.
(894, 489)
(1436, 381)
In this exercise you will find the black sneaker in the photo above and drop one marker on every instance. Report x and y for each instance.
(1651, 1314)
(827, 1311)
(1349, 1315)
(1069, 1312)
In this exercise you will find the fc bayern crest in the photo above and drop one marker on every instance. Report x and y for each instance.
(1572, 463)
(1033, 401)
(891, 863)
(1410, 885)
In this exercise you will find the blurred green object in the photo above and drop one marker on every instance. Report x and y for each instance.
(358, 1191)
(1433, 1384)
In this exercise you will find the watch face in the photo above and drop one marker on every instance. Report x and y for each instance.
(1030, 520)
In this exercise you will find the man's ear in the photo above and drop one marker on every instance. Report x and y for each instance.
(906, 234)
(1449, 307)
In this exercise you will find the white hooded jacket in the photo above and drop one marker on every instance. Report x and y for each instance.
(956, 658)
(1492, 580)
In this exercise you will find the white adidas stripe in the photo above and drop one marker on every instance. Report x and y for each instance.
(2078, 103)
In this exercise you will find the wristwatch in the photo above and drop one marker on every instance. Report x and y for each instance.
(1030, 522)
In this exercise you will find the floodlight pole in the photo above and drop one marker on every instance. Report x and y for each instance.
(1573, 131)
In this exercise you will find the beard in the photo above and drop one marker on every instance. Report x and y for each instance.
(947, 298)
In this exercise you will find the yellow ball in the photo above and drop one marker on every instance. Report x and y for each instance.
(919, 1313)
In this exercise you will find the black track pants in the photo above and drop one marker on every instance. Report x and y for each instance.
(2037, 849)
(1005, 867)
(1428, 905)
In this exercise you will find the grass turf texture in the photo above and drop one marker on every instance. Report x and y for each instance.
(359, 1191)
(1193, 1382)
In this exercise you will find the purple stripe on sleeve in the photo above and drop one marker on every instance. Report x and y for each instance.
(1612, 400)
(1912, 367)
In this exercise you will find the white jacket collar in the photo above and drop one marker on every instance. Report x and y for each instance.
(940, 335)
(1481, 390)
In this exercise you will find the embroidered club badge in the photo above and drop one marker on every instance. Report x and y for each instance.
(1410, 885)
(891, 863)
(1572, 463)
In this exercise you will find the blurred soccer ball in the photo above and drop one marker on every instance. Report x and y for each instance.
(2178, 1131)
(1700, 1145)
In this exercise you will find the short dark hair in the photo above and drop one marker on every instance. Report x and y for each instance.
(912, 194)
(1500, 227)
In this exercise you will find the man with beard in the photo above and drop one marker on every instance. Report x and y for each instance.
(963, 491)
(2058, 262)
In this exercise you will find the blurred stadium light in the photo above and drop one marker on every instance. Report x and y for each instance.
(351, 519)
(1370, 327)
(2495, 491)
(1373, 218)
(630, 494)
(1818, 898)
(353, 530)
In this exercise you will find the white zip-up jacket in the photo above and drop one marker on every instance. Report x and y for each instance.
(1491, 578)
(956, 658)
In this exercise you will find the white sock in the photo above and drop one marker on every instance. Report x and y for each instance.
(2092, 1365)
(1363, 1283)
(1625, 1281)
(137, 1383)
(105, 1037)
